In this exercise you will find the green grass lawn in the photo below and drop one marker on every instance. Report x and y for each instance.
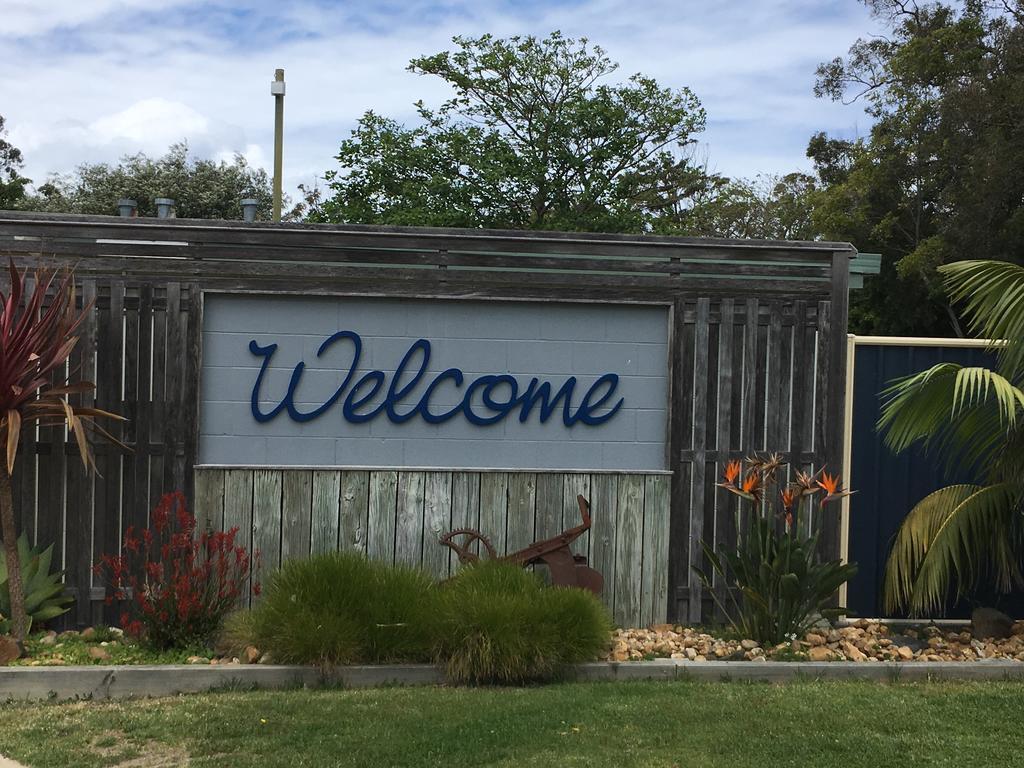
(730, 725)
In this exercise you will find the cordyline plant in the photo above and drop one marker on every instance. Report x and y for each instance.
(782, 588)
(175, 583)
(36, 339)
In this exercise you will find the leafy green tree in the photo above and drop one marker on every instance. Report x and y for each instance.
(767, 207)
(532, 138)
(938, 178)
(201, 188)
(964, 534)
(12, 183)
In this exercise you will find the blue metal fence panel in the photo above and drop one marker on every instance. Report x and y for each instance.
(888, 485)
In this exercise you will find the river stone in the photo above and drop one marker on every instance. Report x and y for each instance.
(9, 650)
(907, 641)
(988, 622)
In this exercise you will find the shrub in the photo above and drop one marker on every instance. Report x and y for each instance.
(341, 608)
(501, 624)
(44, 591)
(178, 585)
(781, 587)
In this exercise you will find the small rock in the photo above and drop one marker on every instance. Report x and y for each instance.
(88, 633)
(749, 645)
(266, 658)
(197, 660)
(68, 634)
(988, 622)
(820, 653)
(910, 640)
(690, 653)
(700, 657)
(98, 653)
(250, 655)
(905, 652)
(50, 638)
(9, 650)
(662, 627)
(852, 652)
(813, 639)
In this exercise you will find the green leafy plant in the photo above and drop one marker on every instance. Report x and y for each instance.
(341, 608)
(503, 625)
(781, 585)
(964, 534)
(44, 591)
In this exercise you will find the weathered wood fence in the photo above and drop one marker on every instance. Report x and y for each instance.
(757, 360)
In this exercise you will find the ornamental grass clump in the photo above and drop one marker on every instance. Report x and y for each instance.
(341, 608)
(176, 585)
(503, 625)
(778, 586)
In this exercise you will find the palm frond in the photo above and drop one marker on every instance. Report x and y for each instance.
(965, 412)
(957, 534)
(993, 297)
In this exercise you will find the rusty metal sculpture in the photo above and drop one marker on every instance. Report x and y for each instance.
(567, 569)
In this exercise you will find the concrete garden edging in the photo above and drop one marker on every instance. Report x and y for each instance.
(113, 682)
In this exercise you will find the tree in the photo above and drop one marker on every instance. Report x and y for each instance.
(938, 178)
(532, 138)
(12, 183)
(768, 207)
(962, 534)
(201, 189)
(36, 339)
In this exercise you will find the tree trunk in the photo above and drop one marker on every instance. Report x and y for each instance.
(19, 619)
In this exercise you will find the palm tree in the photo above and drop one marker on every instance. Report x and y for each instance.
(965, 534)
(37, 335)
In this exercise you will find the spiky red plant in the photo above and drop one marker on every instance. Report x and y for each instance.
(36, 339)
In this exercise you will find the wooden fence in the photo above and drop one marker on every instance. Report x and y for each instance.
(757, 362)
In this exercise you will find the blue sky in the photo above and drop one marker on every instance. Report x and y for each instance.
(90, 80)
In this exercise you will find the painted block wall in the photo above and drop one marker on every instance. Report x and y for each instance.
(550, 341)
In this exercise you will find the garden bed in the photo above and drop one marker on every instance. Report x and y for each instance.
(861, 641)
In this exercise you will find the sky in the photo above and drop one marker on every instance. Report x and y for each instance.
(92, 80)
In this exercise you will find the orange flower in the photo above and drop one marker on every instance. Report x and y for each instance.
(732, 470)
(752, 485)
(789, 497)
(831, 485)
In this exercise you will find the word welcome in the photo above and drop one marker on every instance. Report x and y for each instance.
(499, 394)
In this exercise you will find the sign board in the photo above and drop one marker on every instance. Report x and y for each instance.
(375, 382)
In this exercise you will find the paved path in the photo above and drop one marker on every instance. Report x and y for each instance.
(8, 763)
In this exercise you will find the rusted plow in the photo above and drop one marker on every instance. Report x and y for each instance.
(567, 569)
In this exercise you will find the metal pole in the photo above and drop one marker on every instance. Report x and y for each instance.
(277, 89)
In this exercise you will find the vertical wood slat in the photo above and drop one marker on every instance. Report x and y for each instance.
(266, 517)
(144, 372)
(604, 492)
(158, 411)
(238, 513)
(209, 504)
(173, 476)
(109, 373)
(654, 578)
(522, 509)
(575, 484)
(549, 493)
(353, 527)
(190, 386)
(722, 501)
(628, 550)
(382, 505)
(325, 510)
(696, 512)
(465, 509)
(80, 482)
(296, 513)
(409, 518)
(679, 543)
(25, 468)
(437, 519)
(494, 508)
(836, 378)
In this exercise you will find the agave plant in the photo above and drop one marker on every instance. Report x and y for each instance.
(44, 591)
(37, 335)
(964, 534)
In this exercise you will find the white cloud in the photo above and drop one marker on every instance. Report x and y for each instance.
(103, 78)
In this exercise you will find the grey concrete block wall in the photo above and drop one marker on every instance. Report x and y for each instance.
(549, 341)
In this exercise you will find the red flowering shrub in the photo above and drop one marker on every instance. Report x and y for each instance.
(176, 586)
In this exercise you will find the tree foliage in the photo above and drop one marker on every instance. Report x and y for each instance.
(201, 188)
(12, 183)
(938, 179)
(533, 137)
